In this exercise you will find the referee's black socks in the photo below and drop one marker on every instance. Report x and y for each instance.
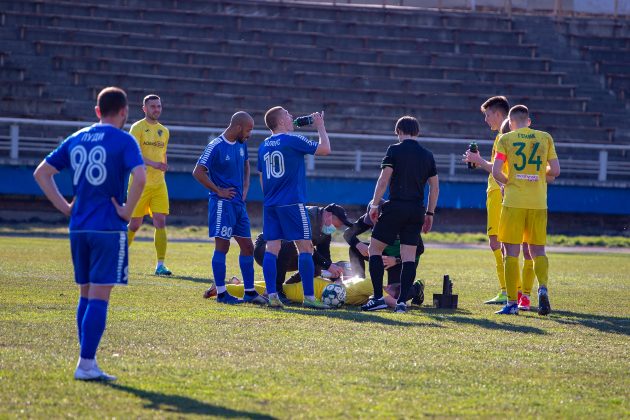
(377, 269)
(407, 274)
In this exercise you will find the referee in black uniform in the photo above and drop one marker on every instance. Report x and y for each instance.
(406, 168)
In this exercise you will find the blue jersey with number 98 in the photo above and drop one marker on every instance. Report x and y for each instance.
(281, 163)
(100, 159)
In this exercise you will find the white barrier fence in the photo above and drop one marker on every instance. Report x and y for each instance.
(17, 149)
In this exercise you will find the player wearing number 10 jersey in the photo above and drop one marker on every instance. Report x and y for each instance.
(100, 159)
(530, 156)
(283, 180)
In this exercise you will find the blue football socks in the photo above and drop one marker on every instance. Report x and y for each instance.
(306, 268)
(218, 270)
(246, 262)
(81, 308)
(93, 327)
(270, 271)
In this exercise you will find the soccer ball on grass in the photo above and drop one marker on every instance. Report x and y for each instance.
(334, 295)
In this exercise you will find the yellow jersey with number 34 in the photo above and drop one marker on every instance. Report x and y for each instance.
(526, 152)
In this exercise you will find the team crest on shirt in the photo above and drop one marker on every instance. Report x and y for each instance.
(227, 157)
(160, 133)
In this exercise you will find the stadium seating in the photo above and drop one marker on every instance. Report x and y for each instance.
(364, 66)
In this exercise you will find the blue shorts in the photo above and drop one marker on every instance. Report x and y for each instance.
(100, 258)
(290, 223)
(227, 219)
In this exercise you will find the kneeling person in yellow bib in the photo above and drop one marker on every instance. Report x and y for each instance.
(531, 157)
(153, 139)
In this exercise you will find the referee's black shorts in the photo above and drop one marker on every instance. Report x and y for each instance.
(399, 218)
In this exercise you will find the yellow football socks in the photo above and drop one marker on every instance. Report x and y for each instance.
(541, 268)
(512, 275)
(498, 256)
(130, 235)
(160, 243)
(528, 277)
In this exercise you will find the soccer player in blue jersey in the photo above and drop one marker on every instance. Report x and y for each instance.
(283, 180)
(223, 168)
(100, 158)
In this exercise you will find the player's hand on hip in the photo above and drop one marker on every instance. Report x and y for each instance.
(68, 210)
(335, 270)
(161, 166)
(123, 211)
(428, 223)
(228, 193)
(388, 262)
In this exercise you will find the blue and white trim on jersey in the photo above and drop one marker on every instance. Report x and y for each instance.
(305, 226)
(203, 160)
(217, 227)
(122, 242)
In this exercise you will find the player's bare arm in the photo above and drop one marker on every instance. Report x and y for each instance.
(434, 192)
(135, 191)
(475, 157)
(246, 174)
(498, 175)
(323, 148)
(379, 191)
(554, 168)
(200, 173)
(44, 178)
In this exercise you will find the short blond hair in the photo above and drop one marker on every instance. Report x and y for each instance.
(271, 117)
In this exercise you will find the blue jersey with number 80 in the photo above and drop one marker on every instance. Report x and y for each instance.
(281, 163)
(100, 159)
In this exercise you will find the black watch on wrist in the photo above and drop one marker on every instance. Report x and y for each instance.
(429, 213)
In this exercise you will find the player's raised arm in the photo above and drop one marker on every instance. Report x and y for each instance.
(323, 148)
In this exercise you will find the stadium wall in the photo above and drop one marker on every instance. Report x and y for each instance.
(18, 180)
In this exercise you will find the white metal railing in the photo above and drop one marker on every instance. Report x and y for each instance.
(353, 163)
(615, 8)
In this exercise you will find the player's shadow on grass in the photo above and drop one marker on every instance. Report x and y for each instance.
(184, 405)
(609, 324)
(358, 316)
(193, 279)
(451, 316)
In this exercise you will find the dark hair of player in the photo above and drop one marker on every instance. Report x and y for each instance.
(505, 126)
(495, 103)
(111, 100)
(407, 125)
(271, 117)
(151, 97)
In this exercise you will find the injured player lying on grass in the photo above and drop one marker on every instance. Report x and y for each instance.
(358, 290)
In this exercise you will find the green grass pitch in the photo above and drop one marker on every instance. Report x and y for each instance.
(178, 355)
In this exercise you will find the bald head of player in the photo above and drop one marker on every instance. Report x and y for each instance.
(241, 126)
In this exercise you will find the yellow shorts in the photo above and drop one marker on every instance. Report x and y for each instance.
(154, 199)
(494, 202)
(523, 225)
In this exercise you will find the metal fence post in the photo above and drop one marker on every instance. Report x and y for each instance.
(357, 161)
(310, 162)
(603, 165)
(15, 141)
(451, 164)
